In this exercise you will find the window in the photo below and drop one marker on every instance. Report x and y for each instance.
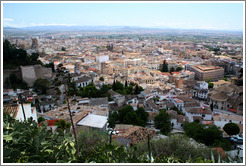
(229, 120)
(203, 115)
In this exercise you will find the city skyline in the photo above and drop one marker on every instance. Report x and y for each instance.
(207, 16)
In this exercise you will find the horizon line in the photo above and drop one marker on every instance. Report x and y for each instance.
(148, 27)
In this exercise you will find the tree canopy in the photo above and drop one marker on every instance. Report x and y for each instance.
(127, 115)
(164, 66)
(162, 122)
(209, 135)
(41, 86)
(231, 129)
(14, 57)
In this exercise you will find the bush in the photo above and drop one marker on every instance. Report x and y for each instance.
(179, 146)
(27, 142)
(90, 140)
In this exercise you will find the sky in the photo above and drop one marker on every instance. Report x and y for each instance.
(211, 16)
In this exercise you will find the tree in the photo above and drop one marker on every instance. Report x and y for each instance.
(16, 82)
(164, 67)
(41, 85)
(172, 69)
(126, 84)
(104, 90)
(63, 49)
(51, 65)
(231, 129)
(101, 78)
(179, 68)
(208, 80)
(142, 116)
(209, 135)
(41, 119)
(14, 57)
(210, 85)
(162, 122)
(113, 86)
(136, 89)
(127, 115)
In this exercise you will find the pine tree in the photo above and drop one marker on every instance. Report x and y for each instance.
(113, 86)
(126, 84)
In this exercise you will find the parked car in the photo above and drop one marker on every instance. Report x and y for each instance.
(237, 140)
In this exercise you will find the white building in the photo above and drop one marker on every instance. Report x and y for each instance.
(16, 111)
(93, 121)
(83, 81)
(102, 58)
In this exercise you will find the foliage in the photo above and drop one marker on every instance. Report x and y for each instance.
(90, 140)
(231, 129)
(41, 119)
(210, 85)
(225, 79)
(126, 115)
(72, 89)
(179, 68)
(63, 125)
(172, 69)
(89, 91)
(208, 135)
(14, 57)
(41, 86)
(124, 90)
(101, 78)
(208, 80)
(27, 142)
(13, 82)
(162, 122)
(178, 110)
(50, 65)
(63, 49)
(164, 67)
(175, 145)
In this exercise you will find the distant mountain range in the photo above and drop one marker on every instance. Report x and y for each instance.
(109, 28)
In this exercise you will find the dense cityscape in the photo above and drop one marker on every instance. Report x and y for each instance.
(122, 94)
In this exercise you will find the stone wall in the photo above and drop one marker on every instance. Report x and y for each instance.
(32, 73)
(28, 74)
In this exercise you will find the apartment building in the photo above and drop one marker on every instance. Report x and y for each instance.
(204, 72)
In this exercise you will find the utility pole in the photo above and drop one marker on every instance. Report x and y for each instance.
(20, 99)
(71, 118)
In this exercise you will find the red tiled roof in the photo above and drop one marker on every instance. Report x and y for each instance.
(11, 109)
(50, 122)
(233, 110)
(92, 69)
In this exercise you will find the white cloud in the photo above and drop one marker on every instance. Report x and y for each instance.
(8, 19)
